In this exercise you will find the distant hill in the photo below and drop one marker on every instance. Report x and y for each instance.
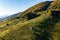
(1, 19)
(10, 17)
(14, 15)
(39, 22)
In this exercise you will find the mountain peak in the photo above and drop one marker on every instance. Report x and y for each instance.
(55, 5)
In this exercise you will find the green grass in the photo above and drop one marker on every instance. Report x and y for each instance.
(45, 26)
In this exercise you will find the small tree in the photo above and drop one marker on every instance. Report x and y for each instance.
(7, 24)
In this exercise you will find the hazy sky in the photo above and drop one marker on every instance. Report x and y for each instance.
(9, 7)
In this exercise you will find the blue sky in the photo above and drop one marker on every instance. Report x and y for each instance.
(9, 7)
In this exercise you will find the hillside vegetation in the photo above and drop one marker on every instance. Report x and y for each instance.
(39, 22)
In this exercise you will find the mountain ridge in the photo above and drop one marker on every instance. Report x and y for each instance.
(40, 22)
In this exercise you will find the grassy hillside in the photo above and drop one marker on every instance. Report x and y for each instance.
(40, 22)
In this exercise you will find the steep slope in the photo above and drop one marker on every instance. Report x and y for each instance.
(9, 19)
(55, 5)
(40, 22)
(24, 16)
(35, 9)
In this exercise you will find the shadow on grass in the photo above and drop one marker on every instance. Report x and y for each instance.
(2, 38)
(44, 30)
